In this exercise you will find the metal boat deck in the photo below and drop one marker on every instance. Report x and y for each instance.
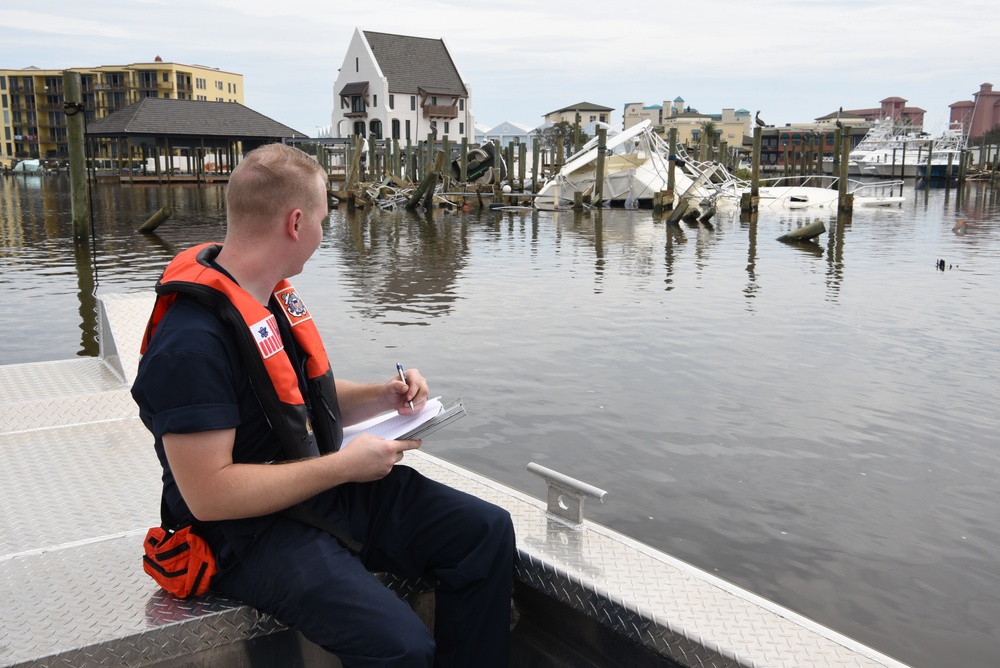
(79, 484)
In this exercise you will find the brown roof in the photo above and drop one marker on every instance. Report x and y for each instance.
(160, 117)
(413, 63)
(582, 106)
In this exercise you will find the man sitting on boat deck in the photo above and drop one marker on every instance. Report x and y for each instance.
(247, 421)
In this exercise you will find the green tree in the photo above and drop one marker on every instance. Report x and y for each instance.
(990, 137)
(549, 137)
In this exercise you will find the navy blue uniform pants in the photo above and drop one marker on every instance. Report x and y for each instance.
(410, 526)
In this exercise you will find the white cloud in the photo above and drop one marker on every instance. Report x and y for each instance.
(793, 59)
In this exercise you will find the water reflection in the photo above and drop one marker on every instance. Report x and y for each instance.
(403, 265)
(767, 412)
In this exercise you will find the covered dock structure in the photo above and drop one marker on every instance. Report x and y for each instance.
(179, 140)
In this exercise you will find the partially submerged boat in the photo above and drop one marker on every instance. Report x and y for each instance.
(484, 165)
(637, 166)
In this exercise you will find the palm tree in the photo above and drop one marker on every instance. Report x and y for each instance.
(709, 137)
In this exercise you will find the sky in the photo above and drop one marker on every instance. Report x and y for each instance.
(793, 60)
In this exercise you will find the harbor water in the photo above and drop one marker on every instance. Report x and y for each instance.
(814, 422)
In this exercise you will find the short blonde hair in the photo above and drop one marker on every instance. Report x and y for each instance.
(268, 182)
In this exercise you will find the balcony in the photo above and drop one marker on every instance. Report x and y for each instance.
(356, 114)
(440, 111)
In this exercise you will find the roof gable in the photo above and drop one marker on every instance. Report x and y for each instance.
(157, 116)
(415, 64)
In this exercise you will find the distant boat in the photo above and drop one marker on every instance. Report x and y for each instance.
(888, 143)
(29, 167)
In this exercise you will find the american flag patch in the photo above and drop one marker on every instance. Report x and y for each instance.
(266, 334)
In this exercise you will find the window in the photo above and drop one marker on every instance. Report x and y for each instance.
(395, 126)
(234, 89)
(413, 107)
(461, 129)
(408, 129)
(376, 128)
(593, 118)
(446, 127)
(392, 104)
(357, 65)
(359, 128)
(3, 86)
(3, 100)
(218, 84)
(375, 101)
(461, 105)
(604, 119)
(166, 77)
(200, 83)
(434, 99)
(357, 104)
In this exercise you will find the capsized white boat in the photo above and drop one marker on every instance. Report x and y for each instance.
(637, 165)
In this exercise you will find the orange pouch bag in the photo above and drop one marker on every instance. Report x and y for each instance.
(178, 560)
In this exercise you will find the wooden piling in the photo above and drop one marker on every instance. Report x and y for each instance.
(755, 163)
(672, 163)
(805, 233)
(155, 220)
(838, 137)
(602, 147)
(535, 155)
(845, 200)
(73, 95)
(427, 185)
(463, 161)
(927, 174)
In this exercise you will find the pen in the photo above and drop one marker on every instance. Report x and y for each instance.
(402, 377)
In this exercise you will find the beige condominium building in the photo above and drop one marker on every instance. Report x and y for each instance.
(32, 119)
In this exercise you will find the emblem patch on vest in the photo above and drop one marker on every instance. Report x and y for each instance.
(266, 334)
(293, 307)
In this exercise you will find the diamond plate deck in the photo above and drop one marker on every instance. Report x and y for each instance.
(79, 484)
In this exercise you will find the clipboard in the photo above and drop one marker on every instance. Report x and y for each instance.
(393, 426)
(448, 414)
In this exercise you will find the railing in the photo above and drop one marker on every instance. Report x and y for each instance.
(440, 111)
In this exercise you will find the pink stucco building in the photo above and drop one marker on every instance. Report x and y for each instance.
(979, 115)
(891, 107)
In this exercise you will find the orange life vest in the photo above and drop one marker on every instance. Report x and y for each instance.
(255, 330)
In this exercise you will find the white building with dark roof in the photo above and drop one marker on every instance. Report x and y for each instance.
(401, 87)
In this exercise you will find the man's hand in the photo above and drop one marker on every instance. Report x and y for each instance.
(369, 457)
(399, 394)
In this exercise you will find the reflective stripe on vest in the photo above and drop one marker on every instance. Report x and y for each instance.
(261, 346)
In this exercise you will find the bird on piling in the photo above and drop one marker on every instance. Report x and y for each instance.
(838, 123)
(757, 120)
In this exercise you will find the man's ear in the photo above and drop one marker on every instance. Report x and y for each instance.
(292, 223)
